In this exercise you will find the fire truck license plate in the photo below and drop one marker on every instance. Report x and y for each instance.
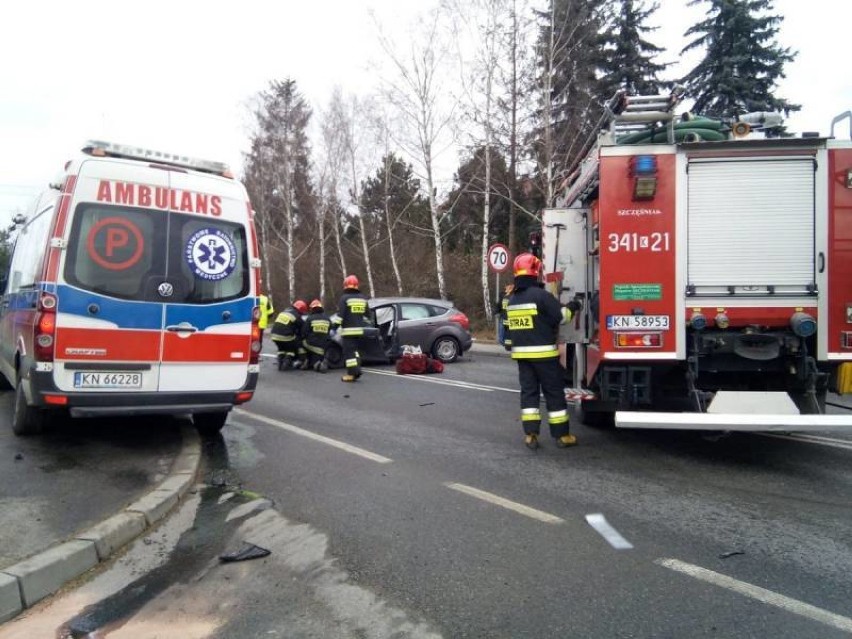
(107, 380)
(637, 322)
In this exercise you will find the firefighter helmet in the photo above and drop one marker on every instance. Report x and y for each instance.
(527, 264)
(350, 282)
(316, 304)
(300, 306)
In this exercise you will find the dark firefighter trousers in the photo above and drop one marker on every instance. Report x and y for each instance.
(543, 375)
(351, 358)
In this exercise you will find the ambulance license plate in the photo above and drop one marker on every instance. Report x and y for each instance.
(637, 322)
(107, 380)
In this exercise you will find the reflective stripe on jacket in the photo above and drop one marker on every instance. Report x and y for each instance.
(533, 317)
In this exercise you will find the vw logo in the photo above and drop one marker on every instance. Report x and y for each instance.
(165, 289)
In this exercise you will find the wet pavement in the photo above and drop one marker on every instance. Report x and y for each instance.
(75, 475)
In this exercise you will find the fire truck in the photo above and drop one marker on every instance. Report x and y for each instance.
(714, 263)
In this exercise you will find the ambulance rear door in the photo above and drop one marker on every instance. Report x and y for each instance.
(108, 331)
(206, 287)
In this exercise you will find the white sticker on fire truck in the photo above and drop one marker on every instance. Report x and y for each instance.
(637, 322)
(211, 254)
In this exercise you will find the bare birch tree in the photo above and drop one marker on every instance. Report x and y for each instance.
(417, 92)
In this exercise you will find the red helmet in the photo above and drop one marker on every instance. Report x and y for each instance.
(316, 304)
(350, 281)
(300, 306)
(527, 264)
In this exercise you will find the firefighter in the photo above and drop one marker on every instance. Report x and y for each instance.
(352, 318)
(317, 328)
(266, 312)
(287, 335)
(534, 316)
(505, 339)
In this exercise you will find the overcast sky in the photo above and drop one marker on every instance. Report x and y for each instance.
(176, 75)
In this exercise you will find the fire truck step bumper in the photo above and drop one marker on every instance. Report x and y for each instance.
(732, 421)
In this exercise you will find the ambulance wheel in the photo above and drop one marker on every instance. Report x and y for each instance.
(593, 418)
(26, 420)
(209, 423)
(446, 349)
(334, 356)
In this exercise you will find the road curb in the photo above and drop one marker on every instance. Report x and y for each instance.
(490, 349)
(31, 580)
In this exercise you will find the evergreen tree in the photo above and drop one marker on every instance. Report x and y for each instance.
(569, 51)
(277, 175)
(742, 63)
(628, 58)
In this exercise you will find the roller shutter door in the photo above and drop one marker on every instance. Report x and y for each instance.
(751, 225)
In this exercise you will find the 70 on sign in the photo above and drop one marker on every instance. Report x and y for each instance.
(498, 258)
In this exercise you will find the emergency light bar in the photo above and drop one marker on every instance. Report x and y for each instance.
(102, 149)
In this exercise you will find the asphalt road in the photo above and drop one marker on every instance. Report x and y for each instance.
(408, 506)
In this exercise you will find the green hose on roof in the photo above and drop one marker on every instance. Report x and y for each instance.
(695, 130)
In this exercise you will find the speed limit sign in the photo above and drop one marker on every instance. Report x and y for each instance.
(498, 258)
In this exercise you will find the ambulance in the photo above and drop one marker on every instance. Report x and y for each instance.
(132, 290)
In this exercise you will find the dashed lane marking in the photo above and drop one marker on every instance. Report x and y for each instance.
(366, 454)
(814, 439)
(491, 498)
(444, 382)
(612, 536)
(760, 594)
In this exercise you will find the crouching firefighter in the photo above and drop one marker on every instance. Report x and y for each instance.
(534, 316)
(317, 328)
(352, 312)
(287, 335)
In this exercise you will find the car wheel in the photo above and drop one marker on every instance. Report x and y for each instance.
(210, 423)
(446, 349)
(334, 355)
(26, 420)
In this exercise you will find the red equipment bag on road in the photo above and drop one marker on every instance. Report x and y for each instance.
(415, 362)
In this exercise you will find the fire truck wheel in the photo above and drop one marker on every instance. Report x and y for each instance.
(26, 420)
(592, 418)
(209, 423)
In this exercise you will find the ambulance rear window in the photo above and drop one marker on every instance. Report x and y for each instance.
(151, 255)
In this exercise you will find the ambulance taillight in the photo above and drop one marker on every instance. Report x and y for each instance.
(254, 349)
(45, 328)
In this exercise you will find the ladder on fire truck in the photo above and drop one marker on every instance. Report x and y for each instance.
(623, 114)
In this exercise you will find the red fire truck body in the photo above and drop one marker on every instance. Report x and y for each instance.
(716, 278)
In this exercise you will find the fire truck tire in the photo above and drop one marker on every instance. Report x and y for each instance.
(26, 420)
(593, 418)
(210, 423)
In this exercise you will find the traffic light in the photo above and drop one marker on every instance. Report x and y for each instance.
(535, 243)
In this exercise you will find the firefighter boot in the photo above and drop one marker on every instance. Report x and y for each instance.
(285, 362)
(565, 441)
(305, 365)
(531, 441)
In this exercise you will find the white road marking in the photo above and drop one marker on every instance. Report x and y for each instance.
(613, 537)
(814, 439)
(366, 454)
(760, 594)
(445, 382)
(540, 515)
